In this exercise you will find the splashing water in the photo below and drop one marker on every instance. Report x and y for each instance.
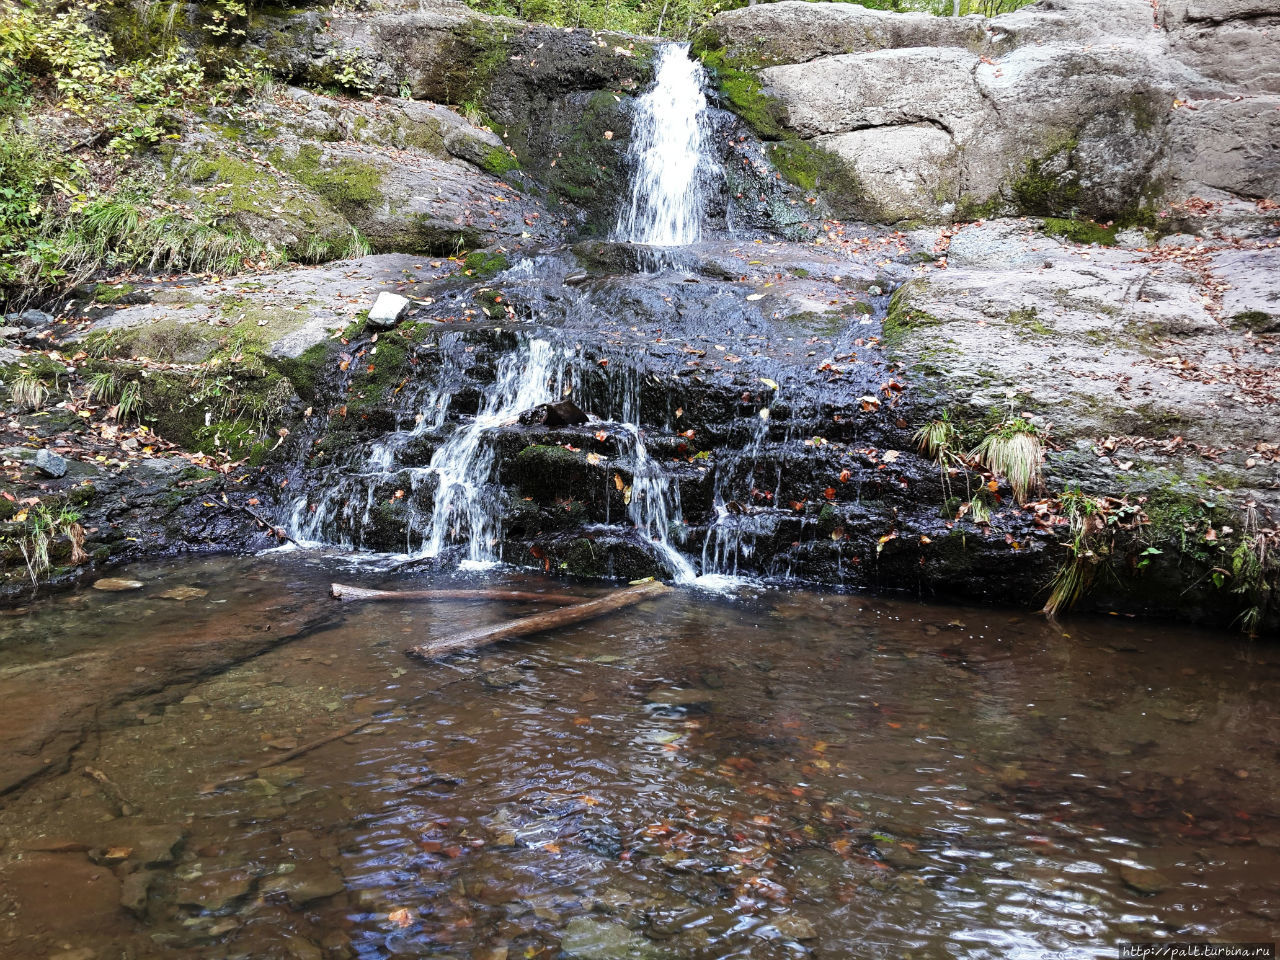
(668, 151)
(466, 500)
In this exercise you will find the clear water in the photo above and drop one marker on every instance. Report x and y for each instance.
(773, 775)
(668, 150)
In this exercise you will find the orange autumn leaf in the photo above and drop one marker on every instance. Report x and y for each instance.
(401, 917)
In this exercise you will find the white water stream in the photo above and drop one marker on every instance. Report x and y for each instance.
(668, 150)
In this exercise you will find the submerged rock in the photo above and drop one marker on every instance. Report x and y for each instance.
(117, 584)
(587, 939)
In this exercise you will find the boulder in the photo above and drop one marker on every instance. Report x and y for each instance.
(1056, 109)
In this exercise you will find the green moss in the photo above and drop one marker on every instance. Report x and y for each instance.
(1081, 231)
(1040, 192)
(238, 439)
(816, 170)
(1028, 319)
(902, 316)
(485, 264)
(1257, 321)
(744, 93)
(378, 376)
(242, 180)
(106, 293)
(346, 184)
(499, 162)
(480, 53)
(305, 371)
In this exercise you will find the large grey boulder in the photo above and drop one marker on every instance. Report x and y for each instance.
(1086, 108)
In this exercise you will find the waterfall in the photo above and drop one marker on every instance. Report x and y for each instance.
(668, 154)
(467, 498)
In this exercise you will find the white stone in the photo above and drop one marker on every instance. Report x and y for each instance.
(387, 310)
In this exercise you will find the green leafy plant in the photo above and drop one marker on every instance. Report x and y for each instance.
(1253, 568)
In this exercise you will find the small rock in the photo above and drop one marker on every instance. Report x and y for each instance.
(387, 310)
(152, 845)
(566, 413)
(311, 881)
(689, 701)
(507, 676)
(51, 464)
(34, 318)
(795, 928)
(1144, 880)
(134, 891)
(116, 584)
(216, 892)
(588, 939)
(183, 593)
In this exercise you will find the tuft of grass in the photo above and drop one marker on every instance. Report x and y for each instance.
(1253, 570)
(28, 390)
(44, 527)
(1013, 450)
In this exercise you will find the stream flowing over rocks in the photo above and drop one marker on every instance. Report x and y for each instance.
(685, 320)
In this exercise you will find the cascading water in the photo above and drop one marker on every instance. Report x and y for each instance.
(668, 151)
(466, 494)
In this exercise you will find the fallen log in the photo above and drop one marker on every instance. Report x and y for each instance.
(346, 592)
(538, 622)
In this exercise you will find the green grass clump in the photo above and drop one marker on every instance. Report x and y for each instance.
(1013, 450)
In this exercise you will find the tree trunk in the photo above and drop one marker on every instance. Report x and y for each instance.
(345, 593)
(539, 622)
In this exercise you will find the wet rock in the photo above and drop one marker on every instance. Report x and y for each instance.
(51, 464)
(795, 928)
(566, 413)
(588, 939)
(687, 701)
(387, 310)
(183, 593)
(116, 584)
(135, 890)
(152, 845)
(34, 318)
(309, 882)
(215, 892)
(1144, 880)
(502, 677)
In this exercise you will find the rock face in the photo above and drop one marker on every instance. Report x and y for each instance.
(1066, 107)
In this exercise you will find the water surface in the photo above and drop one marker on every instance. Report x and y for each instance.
(776, 774)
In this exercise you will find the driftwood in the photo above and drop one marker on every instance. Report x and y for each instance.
(123, 805)
(538, 622)
(277, 532)
(250, 772)
(345, 592)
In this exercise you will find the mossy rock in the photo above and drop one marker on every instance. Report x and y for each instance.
(901, 316)
(1081, 231)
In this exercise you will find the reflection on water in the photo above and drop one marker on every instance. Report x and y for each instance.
(775, 775)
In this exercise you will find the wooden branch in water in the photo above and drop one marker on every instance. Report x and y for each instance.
(277, 532)
(250, 772)
(123, 805)
(539, 622)
(345, 592)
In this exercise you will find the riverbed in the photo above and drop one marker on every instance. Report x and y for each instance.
(762, 773)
